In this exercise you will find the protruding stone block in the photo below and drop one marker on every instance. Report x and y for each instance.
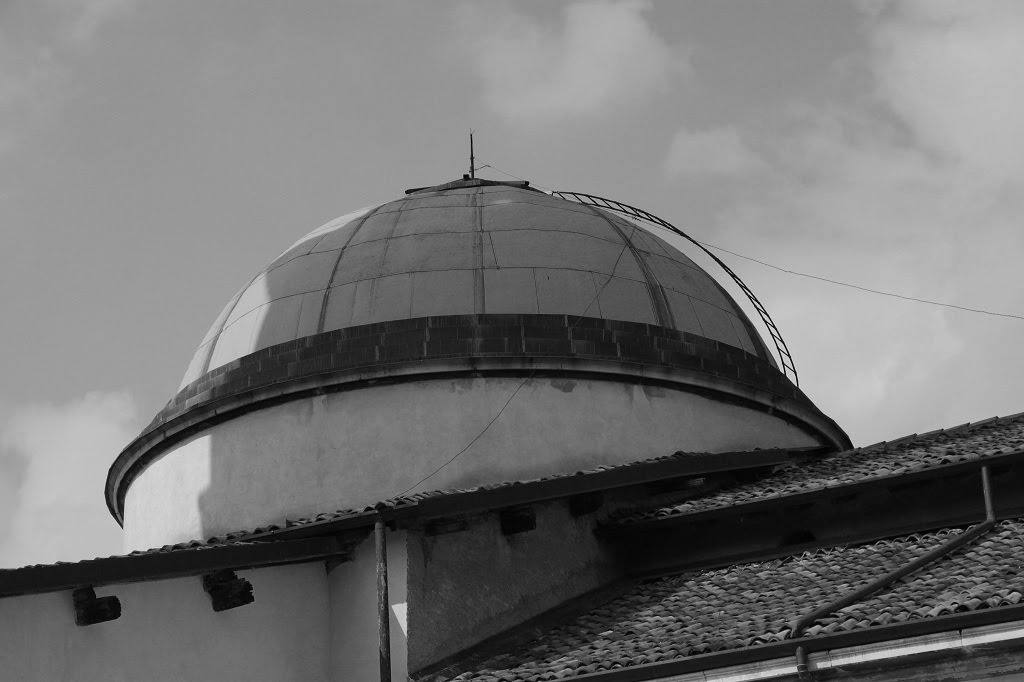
(90, 609)
(517, 520)
(227, 590)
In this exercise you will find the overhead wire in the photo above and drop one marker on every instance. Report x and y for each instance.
(797, 273)
(860, 288)
(625, 245)
(503, 172)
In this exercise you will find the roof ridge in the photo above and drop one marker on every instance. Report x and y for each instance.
(901, 440)
(959, 445)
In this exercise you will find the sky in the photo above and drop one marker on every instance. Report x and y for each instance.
(154, 155)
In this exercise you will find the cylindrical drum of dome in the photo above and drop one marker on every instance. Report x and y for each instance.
(468, 334)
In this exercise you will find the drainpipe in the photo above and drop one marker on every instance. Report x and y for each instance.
(383, 615)
(798, 625)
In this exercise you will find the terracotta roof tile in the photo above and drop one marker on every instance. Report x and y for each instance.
(988, 438)
(393, 503)
(750, 604)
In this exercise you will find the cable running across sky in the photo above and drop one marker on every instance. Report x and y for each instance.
(522, 383)
(823, 279)
(860, 288)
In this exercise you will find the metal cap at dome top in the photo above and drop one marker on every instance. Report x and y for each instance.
(468, 181)
(376, 289)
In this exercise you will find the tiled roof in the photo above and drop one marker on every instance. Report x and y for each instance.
(988, 438)
(743, 605)
(403, 501)
(412, 499)
(989, 574)
(912, 453)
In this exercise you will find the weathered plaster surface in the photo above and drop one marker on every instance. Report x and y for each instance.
(351, 449)
(451, 608)
(168, 631)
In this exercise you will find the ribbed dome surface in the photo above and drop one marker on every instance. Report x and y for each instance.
(472, 249)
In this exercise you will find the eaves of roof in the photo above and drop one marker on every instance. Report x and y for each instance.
(442, 503)
(635, 522)
(193, 559)
(911, 458)
(330, 535)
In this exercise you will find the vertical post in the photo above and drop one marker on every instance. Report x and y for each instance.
(472, 159)
(383, 611)
(986, 489)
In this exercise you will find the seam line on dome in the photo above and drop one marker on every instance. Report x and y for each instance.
(700, 325)
(661, 309)
(519, 229)
(654, 287)
(215, 341)
(597, 290)
(691, 265)
(534, 269)
(761, 352)
(329, 232)
(536, 291)
(267, 270)
(479, 282)
(334, 270)
(494, 255)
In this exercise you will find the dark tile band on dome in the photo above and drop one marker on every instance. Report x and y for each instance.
(344, 357)
(450, 336)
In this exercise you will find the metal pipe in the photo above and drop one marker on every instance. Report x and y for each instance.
(986, 487)
(802, 669)
(383, 611)
(798, 625)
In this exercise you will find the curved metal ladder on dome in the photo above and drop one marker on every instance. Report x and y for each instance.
(785, 357)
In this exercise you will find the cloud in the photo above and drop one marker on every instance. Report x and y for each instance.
(718, 151)
(54, 459)
(87, 17)
(951, 71)
(40, 42)
(603, 56)
(903, 185)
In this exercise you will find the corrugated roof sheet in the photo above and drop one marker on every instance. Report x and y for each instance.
(743, 605)
(895, 458)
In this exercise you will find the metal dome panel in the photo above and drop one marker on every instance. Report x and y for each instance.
(465, 250)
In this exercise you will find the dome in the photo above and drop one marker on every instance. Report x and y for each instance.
(463, 335)
(472, 248)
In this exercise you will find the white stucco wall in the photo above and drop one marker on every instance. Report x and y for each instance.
(353, 604)
(470, 585)
(169, 631)
(351, 449)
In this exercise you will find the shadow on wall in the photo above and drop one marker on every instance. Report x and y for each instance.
(285, 302)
